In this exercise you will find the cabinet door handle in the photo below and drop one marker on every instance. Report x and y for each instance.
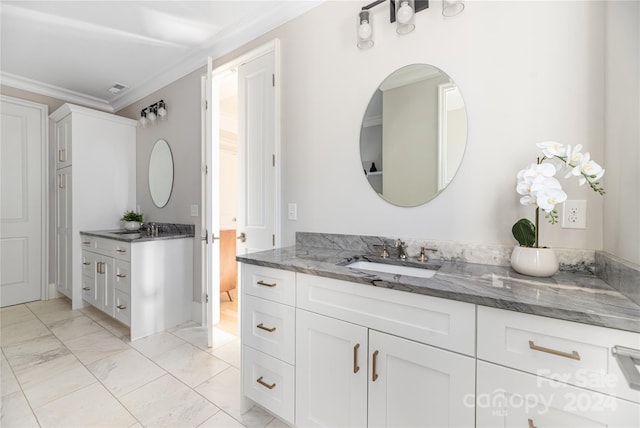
(121, 307)
(531, 425)
(60, 155)
(61, 181)
(266, 284)
(573, 355)
(263, 383)
(118, 250)
(374, 375)
(121, 275)
(86, 263)
(86, 288)
(86, 242)
(356, 368)
(262, 327)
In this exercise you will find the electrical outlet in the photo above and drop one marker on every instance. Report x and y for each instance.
(574, 214)
(194, 210)
(292, 212)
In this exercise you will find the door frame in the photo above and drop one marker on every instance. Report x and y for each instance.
(221, 71)
(47, 187)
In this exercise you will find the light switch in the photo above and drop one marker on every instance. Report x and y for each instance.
(292, 211)
(194, 210)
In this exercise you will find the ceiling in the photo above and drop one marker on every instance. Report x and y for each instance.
(77, 50)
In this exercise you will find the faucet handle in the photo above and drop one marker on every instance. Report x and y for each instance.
(385, 253)
(423, 255)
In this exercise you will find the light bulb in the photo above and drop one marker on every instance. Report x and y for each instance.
(162, 110)
(404, 13)
(152, 116)
(364, 30)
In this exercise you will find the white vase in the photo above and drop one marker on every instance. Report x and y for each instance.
(540, 262)
(132, 225)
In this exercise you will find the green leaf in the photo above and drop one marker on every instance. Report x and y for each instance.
(525, 232)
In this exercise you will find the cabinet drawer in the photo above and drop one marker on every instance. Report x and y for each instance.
(123, 307)
(578, 354)
(510, 398)
(269, 327)
(108, 247)
(440, 322)
(88, 263)
(269, 382)
(271, 284)
(122, 278)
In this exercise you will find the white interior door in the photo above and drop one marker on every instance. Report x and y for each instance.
(257, 134)
(23, 174)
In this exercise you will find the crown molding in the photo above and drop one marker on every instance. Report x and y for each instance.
(46, 89)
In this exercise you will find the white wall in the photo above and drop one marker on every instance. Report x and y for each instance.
(622, 122)
(528, 71)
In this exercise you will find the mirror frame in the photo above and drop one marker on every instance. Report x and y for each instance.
(161, 163)
(446, 160)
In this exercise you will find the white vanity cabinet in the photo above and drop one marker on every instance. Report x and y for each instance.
(146, 285)
(95, 180)
(539, 371)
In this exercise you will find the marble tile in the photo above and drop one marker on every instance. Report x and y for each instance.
(255, 417)
(93, 313)
(53, 305)
(15, 314)
(34, 351)
(96, 346)
(223, 390)
(57, 312)
(229, 352)
(29, 376)
(126, 371)
(169, 403)
(193, 333)
(73, 328)
(157, 344)
(277, 423)
(55, 386)
(92, 406)
(220, 338)
(16, 412)
(116, 328)
(22, 331)
(190, 364)
(8, 382)
(221, 420)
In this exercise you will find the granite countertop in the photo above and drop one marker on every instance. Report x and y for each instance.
(569, 296)
(167, 231)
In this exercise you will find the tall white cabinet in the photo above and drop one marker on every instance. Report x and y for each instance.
(95, 158)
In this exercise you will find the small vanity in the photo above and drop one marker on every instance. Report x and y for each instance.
(143, 281)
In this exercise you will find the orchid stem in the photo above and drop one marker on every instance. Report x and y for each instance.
(535, 245)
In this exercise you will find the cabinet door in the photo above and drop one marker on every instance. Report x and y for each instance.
(331, 372)
(108, 290)
(91, 278)
(63, 231)
(510, 398)
(416, 385)
(63, 143)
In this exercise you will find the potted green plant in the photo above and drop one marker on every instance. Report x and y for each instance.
(132, 220)
(539, 187)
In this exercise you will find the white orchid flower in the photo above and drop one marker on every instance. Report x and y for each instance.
(552, 149)
(589, 169)
(574, 156)
(547, 198)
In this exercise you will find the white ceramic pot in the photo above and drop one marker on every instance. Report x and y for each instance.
(132, 225)
(540, 262)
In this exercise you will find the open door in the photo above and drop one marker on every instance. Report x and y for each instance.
(258, 164)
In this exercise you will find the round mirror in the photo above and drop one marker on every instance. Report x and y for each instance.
(160, 173)
(413, 135)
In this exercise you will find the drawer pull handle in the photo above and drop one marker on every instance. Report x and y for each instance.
(374, 375)
(118, 250)
(265, 384)
(121, 275)
(356, 367)
(86, 263)
(531, 425)
(266, 284)
(262, 327)
(61, 155)
(121, 307)
(573, 355)
(628, 359)
(86, 242)
(86, 288)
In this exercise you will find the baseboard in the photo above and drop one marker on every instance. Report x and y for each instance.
(196, 312)
(53, 292)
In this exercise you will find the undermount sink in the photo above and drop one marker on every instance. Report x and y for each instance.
(393, 269)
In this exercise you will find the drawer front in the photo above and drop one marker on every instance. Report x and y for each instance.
(109, 247)
(269, 327)
(510, 398)
(88, 263)
(271, 284)
(440, 322)
(122, 277)
(123, 307)
(269, 382)
(578, 354)
(88, 242)
(122, 250)
(90, 293)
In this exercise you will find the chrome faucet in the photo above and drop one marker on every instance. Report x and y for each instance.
(402, 251)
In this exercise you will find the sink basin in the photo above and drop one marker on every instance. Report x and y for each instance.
(127, 232)
(394, 269)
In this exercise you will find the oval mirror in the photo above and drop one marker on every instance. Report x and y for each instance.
(160, 173)
(413, 135)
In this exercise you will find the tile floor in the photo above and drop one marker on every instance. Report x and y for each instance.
(67, 368)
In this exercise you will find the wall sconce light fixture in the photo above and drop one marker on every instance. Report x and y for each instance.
(402, 12)
(149, 115)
